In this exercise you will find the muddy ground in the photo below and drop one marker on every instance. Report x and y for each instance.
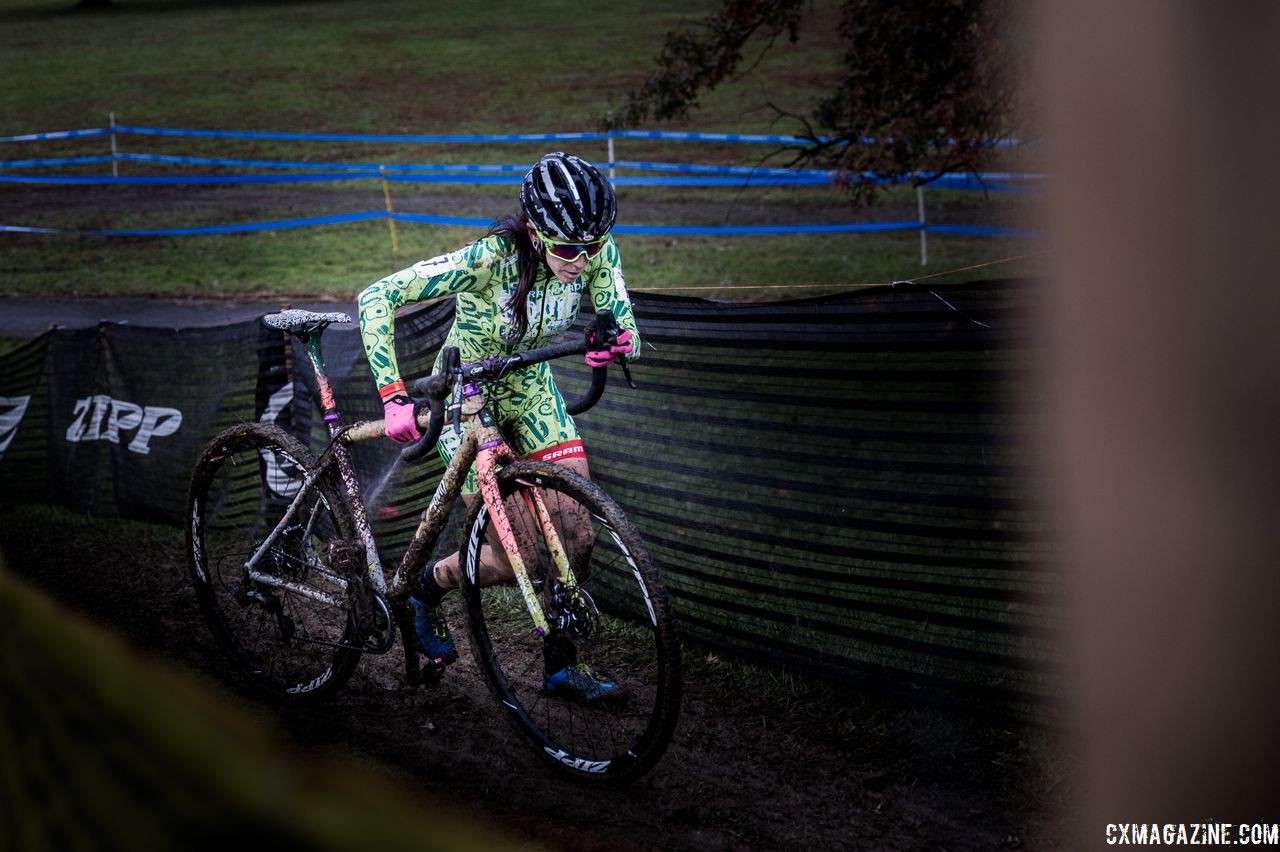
(780, 768)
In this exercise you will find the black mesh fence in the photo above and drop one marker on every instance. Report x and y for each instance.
(840, 484)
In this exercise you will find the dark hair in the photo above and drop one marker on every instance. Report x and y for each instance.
(528, 261)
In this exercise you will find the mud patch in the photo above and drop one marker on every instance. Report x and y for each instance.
(760, 760)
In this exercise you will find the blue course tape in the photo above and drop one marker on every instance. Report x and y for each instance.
(468, 222)
(54, 161)
(354, 137)
(742, 230)
(712, 180)
(58, 134)
(511, 179)
(23, 229)
(288, 164)
(496, 179)
(697, 168)
(190, 180)
(508, 137)
(711, 137)
(967, 180)
(280, 224)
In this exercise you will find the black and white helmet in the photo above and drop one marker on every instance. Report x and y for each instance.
(567, 198)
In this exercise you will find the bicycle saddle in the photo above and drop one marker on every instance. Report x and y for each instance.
(294, 321)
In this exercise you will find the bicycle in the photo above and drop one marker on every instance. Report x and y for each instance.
(288, 575)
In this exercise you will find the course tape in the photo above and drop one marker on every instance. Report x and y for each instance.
(128, 129)
(748, 138)
(58, 134)
(357, 167)
(55, 161)
(468, 222)
(698, 168)
(510, 179)
(358, 137)
(279, 224)
(958, 182)
(465, 168)
(171, 180)
(761, 139)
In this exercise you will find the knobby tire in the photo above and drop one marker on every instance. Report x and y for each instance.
(286, 644)
(634, 643)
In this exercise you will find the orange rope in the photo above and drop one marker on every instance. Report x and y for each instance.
(979, 265)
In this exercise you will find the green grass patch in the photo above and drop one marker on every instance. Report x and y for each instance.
(382, 66)
(340, 260)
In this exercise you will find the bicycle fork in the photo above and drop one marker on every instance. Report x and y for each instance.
(489, 454)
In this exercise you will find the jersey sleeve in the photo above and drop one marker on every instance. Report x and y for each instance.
(467, 270)
(608, 291)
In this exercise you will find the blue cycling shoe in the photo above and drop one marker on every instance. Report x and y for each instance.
(578, 683)
(433, 632)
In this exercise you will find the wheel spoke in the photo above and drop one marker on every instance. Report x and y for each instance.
(618, 626)
(286, 624)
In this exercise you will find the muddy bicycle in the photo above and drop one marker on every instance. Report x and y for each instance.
(289, 578)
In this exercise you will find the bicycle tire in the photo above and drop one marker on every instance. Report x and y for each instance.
(635, 647)
(288, 645)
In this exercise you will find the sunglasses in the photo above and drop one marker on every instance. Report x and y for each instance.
(570, 252)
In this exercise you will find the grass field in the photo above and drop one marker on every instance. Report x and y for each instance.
(402, 67)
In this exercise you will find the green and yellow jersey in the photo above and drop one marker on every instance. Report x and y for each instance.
(483, 277)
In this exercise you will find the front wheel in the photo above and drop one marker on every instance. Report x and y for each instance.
(287, 624)
(612, 716)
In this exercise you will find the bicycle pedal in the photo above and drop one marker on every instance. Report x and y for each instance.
(431, 671)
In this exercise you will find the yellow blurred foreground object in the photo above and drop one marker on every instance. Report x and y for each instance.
(102, 749)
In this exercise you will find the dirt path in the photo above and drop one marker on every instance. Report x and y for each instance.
(777, 770)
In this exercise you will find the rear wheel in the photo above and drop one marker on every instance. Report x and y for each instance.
(287, 624)
(617, 623)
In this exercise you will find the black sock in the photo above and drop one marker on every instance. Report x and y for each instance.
(425, 589)
(557, 653)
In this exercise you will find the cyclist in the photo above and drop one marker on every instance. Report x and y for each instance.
(516, 288)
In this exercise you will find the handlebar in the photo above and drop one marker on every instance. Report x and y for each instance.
(454, 376)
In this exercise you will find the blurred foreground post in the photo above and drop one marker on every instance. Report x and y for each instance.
(1165, 403)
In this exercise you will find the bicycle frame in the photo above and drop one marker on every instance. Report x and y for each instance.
(482, 444)
(594, 689)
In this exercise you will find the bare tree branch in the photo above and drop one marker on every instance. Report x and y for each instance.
(927, 88)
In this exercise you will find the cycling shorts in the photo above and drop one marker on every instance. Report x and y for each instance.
(532, 416)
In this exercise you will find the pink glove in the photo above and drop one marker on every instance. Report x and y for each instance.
(402, 426)
(613, 354)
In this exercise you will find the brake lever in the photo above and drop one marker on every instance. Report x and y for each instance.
(607, 329)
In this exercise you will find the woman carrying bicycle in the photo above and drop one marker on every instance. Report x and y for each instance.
(516, 288)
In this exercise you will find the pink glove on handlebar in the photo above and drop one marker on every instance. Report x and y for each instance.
(402, 426)
(614, 354)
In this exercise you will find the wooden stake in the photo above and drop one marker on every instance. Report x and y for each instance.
(391, 222)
